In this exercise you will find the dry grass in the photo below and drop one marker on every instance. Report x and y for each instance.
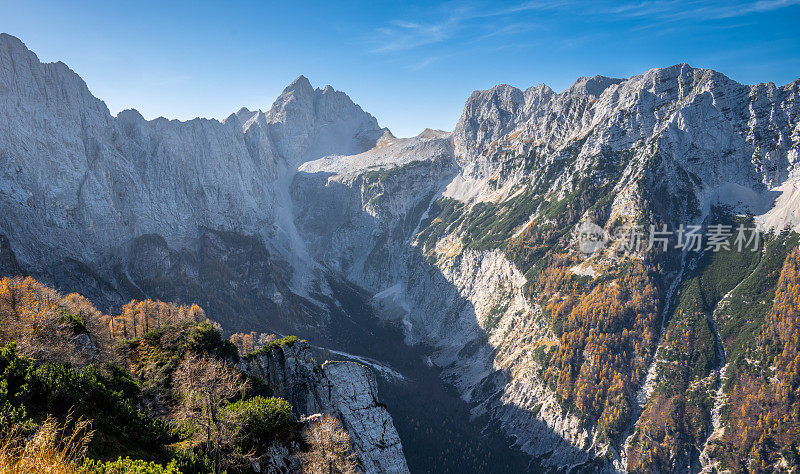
(53, 449)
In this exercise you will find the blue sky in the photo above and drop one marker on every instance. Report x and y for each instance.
(412, 65)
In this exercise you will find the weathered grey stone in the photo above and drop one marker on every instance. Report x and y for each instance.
(346, 390)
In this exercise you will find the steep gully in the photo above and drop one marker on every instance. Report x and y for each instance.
(648, 384)
(721, 374)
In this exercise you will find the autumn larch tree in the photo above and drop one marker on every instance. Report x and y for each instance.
(205, 386)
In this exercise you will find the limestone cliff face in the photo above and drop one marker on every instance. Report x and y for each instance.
(77, 183)
(346, 390)
(121, 207)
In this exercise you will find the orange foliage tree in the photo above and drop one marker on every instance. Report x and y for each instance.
(605, 338)
(68, 329)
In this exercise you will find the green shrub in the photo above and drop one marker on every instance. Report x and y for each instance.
(191, 462)
(205, 338)
(78, 327)
(262, 421)
(15, 371)
(129, 466)
(29, 393)
(272, 345)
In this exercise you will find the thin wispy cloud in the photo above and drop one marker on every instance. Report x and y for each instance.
(731, 11)
(699, 10)
(472, 23)
(460, 20)
(534, 6)
(424, 63)
(405, 24)
(404, 35)
(505, 30)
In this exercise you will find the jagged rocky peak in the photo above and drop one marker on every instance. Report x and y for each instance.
(297, 97)
(308, 123)
(301, 100)
(386, 138)
(487, 116)
(502, 97)
(492, 114)
(133, 124)
(594, 103)
(130, 116)
(300, 86)
(679, 81)
(244, 116)
(13, 49)
(536, 96)
(23, 76)
(592, 86)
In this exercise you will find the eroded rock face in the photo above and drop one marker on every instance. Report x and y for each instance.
(279, 458)
(353, 395)
(731, 137)
(346, 390)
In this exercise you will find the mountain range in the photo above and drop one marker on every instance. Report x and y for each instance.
(455, 253)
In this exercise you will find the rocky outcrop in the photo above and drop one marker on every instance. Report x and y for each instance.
(279, 458)
(346, 390)
(352, 395)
